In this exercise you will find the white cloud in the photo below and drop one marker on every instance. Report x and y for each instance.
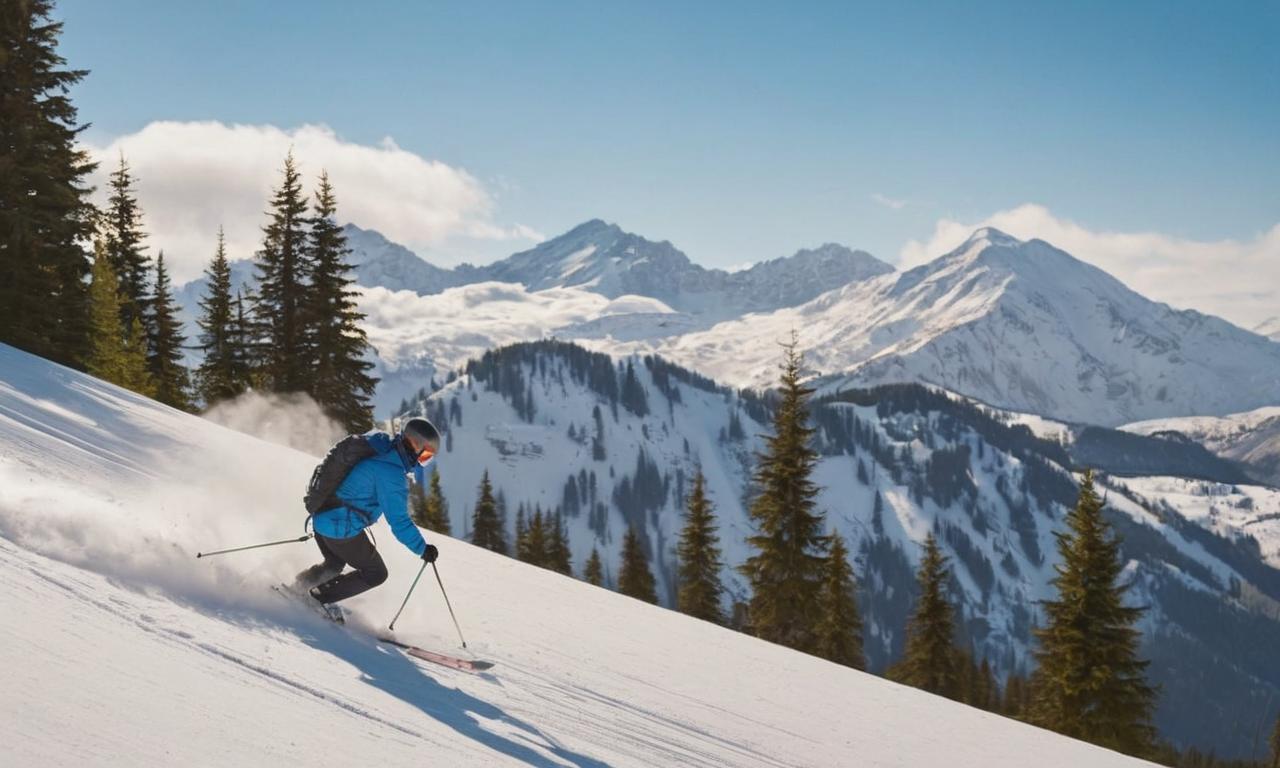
(193, 177)
(1238, 280)
(889, 202)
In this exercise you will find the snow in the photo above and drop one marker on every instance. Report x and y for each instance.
(130, 652)
(1232, 511)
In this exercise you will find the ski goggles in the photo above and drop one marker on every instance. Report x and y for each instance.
(426, 455)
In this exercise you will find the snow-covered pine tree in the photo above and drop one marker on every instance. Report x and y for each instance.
(283, 271)
(123, 236)
(216, 378)
(787, 568)
(340, 380)
(437, 510)
(486, 526)
(634, 577)
(838, 634)
(931, 661)
(593, 573)
(164, 359)
(114, 355)
(1090, 683)
(698, 553)
(44, 196)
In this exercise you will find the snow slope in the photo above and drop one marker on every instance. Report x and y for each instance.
(130, 652)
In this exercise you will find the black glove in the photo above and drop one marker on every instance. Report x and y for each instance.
(430, 553)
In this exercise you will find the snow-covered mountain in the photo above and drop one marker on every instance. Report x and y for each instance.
(382, 263)
(1251, 438)
(1020, 325)
(121, 649)
(657, 292)
(556, 430)
(604, 258)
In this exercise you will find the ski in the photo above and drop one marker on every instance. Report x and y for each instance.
(466, 665)
(331, 612)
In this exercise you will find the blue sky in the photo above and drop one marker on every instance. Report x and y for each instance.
(742, 131)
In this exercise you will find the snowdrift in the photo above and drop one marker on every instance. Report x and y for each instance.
(120, 648)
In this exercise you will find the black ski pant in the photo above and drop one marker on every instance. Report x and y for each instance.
(357, 552)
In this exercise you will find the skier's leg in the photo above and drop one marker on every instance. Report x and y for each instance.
(323, 571)
(359, 553)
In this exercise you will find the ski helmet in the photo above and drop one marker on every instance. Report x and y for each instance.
(421, 440)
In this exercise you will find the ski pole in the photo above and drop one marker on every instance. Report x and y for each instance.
(447, 605)
(253, 546)
(392, 625)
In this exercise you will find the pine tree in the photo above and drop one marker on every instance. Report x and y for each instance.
(699, 555)
(1090, 683)
(594, 571)
(339, 380)
(243, 336)
(634, 577)
(283, 273)
(535, 547)
(45, 213)
(486, 526)
(123, 236)
(114, 355)
(790, 544)
(522, 535)
(437, 509)
(173, 380)
(559, 558)
(838, 634)
(216, 378)
(633, 398)
(931, 661)
(418, 505)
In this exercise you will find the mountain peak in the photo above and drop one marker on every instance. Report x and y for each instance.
(592, 228)
(992, 236)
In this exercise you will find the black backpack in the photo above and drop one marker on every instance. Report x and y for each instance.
(330, 473)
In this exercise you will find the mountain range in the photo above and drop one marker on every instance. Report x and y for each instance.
(1020, 325)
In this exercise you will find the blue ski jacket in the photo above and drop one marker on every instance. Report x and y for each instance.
(376, 486)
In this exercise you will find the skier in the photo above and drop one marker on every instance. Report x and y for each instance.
(372, 487)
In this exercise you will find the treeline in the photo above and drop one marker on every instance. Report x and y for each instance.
(79, 286)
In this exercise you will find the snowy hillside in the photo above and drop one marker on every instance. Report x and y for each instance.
(130, 652)
(1252, 438)
(557, 430)
(1019, 325)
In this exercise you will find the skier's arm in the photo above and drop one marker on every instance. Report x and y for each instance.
(393, 498)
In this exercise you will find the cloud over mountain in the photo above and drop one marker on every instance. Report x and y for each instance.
(1238, 280)
(193, 177)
